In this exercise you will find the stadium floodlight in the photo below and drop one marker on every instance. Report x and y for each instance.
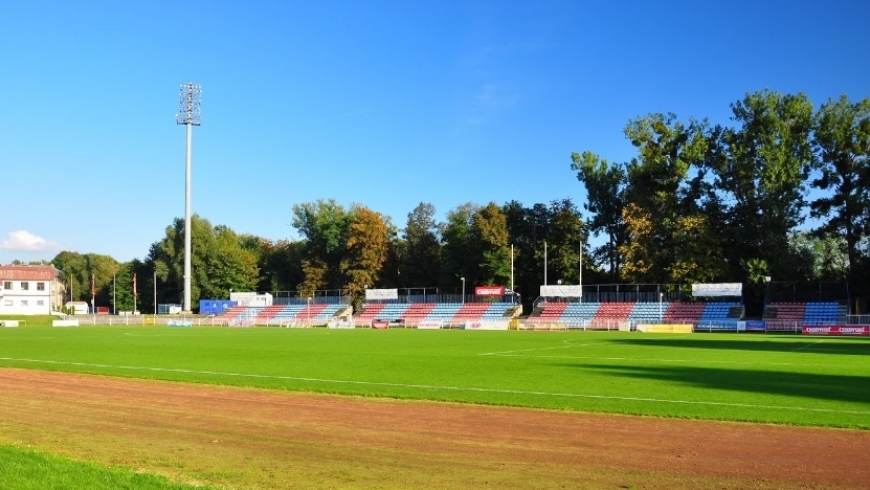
(190, 115)
(463, 288)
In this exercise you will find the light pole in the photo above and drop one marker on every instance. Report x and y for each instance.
(661, 296)
(190, 115)
(767, 290)
(463, 288)
(308, 312)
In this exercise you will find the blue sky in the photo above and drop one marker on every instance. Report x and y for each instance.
(382, 103)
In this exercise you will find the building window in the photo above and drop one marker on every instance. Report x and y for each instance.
(7, 285)
(40, 302)
(40, 286)
(24, 302)
(8, 302)
(25, 285)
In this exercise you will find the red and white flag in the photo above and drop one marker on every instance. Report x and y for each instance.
(134, 284)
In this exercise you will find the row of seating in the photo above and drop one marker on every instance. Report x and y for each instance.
(811, 313)
(279, 314)
(695, 312)
(445, 312)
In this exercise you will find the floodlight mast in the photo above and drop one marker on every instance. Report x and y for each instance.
(190, 115)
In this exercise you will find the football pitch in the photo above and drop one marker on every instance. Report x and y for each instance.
(813, 381)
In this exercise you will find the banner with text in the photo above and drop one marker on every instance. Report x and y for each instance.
(562, 291)
(720, 289)
(489, 291)
(379, 294)
(838, 330)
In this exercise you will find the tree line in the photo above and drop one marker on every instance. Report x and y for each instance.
(783, 191)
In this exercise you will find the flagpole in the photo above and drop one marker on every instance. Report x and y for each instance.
(94, 296)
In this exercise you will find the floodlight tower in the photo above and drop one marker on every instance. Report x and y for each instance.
(189, 114)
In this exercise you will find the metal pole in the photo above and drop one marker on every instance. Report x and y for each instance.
(463, 289)
(190, 115)
(545, 262)
(155, 294)
(187, 245)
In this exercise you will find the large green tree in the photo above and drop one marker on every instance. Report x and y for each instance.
(420, 260)
(763, 176)
(842, 138)
(219, 262)
(605, 185)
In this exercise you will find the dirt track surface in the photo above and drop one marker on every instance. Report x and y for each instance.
(246, 438)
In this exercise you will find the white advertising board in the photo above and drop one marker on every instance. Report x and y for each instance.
(486, 325)
(720, 289)
(430, 325)
(563, 291)
(380, 294)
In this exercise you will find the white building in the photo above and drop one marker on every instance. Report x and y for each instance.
(30, 289)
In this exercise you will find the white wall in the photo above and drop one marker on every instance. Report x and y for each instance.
(18, 301)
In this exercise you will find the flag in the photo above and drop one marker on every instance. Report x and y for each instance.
(93, 285)
(134, 284)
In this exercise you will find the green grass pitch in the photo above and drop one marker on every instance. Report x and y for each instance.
(820, 381)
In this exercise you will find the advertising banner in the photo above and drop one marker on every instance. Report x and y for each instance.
(339, 324)
(489, 291)
(561, 291)
(838, 330)
(719, 289)
(380, 324)
(380, 294)
(755, 326)
(430, 325)
(665, 328)
(486, 325)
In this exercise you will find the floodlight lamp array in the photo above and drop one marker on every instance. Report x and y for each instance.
(189, 104)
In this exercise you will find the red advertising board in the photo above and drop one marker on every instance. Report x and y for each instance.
(489, 291)
(380, 324)
(838, 330)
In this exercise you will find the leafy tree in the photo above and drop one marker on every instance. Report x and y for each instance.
(280, 265)
(488, 237)
(324, 224)
(566, 238)
(367, 246)
(218, 262)
(658, 197)
(459, 259)
(842, 137)
(420, 262)
(767, 162)
(605, 185)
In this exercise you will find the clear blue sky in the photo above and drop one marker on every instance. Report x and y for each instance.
(382, 103)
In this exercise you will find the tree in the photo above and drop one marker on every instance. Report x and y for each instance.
(566, 239)
(324, 224)
(218, 262)
(367, 246)
(420, 261)
(842, 137)
(605, 185)
(764, 171)
(459, 259)
(658, 198)
(488, 238)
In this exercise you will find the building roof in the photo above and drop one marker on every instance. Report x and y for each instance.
(28, 273)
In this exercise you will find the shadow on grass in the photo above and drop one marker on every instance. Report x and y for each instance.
(844, 388)
(753, 343)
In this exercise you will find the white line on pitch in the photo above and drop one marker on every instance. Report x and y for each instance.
(808, 345)
(641, 359)
(446, 388)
